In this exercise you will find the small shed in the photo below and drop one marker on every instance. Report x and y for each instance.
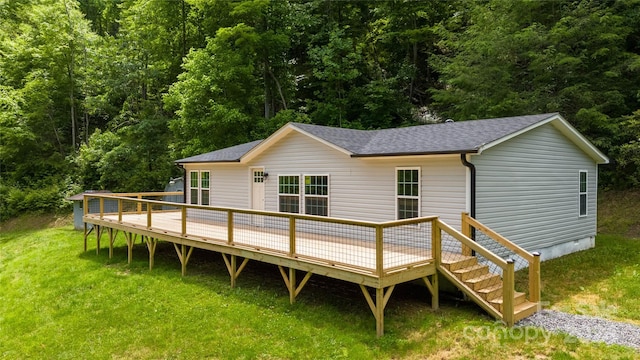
(78, 206)
(174, 185)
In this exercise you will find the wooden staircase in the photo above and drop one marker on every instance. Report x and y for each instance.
(484, 287)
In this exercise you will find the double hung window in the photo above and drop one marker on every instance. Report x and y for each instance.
(312, 198)
(407, 193)
(582, 193)
(199, 187)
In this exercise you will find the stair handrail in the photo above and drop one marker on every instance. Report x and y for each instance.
(533, 258)
(507, 267)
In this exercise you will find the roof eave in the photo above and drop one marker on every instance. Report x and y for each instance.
(207, 162)
(449, 152)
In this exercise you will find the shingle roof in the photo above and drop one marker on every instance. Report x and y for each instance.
(454, 137)
(230, 154)
(443, 138)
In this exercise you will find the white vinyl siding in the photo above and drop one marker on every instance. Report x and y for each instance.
(365, 189)
(526, 189)
(359, 189)
(582, 192)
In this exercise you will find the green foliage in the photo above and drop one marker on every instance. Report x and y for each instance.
(175, 78)
(16, 201)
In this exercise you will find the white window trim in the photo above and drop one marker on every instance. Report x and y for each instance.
(395, 189)
(585, 193)
(300, 191)
(304, 193)
(199, 187)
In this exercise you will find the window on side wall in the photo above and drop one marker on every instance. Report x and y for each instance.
(582, 193)
(289, 193)
(199, 187)
(316, 195)
(194, 180)
(407, 193)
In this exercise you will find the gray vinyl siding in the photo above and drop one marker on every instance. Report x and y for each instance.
(360, 189)
(527, 189)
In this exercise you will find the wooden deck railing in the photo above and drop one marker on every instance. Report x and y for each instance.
(410, 236)
(532, 259)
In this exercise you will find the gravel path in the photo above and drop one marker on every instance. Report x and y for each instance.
(586, 327)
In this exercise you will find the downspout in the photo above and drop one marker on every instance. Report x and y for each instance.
(184, 183)
(472, 190)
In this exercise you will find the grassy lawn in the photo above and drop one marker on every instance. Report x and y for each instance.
(57, 302)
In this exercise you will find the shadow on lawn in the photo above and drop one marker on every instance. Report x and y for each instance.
(321, 294)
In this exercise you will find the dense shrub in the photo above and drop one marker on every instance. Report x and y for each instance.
(15, 201)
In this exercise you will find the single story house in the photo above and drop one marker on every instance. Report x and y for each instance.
(533, 179)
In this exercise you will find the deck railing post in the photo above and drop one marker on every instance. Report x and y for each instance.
(466, 231)
(149, 216)
(184, 220)
(101, 208)
(120, 211)
(436, 242)
(230, 226)
(508, 292)
(292, 235)
(379, 251)
(85, 205)
(534, 278)
(139, 204)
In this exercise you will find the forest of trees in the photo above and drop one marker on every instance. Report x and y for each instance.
(105, 94)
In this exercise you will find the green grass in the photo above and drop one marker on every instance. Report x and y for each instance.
(618, 213)
(57, 302)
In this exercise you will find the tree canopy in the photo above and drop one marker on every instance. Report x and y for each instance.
(104, 94)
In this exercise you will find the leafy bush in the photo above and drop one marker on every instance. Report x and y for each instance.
(16, 201)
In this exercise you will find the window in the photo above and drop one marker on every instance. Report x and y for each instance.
(204, 187)
(193, 186)
(582, 194)
(316, 195)
(408, 193)
(199, 187)
(289, 193)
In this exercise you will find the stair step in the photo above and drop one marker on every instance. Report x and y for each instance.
(524, 310)
(453, 262)
(518, 298)
(483, 281)
(471, 271)
(491, 292)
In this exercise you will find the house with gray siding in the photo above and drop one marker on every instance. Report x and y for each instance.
(533, 179)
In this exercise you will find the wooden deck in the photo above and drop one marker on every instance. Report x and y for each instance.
(373, 255)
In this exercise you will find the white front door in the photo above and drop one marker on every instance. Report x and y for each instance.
(257, 194)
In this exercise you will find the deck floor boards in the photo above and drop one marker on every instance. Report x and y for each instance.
(330, 249)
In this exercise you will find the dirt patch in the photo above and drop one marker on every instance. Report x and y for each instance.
(36, 221)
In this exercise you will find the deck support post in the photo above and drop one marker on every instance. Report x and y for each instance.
(234, 270)
(99, 231)
(433, 289)
(85, 236)
(290, 282)
(111, 239)
(183, 254)
(130, 239)
(377, 307)
(151, 245)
